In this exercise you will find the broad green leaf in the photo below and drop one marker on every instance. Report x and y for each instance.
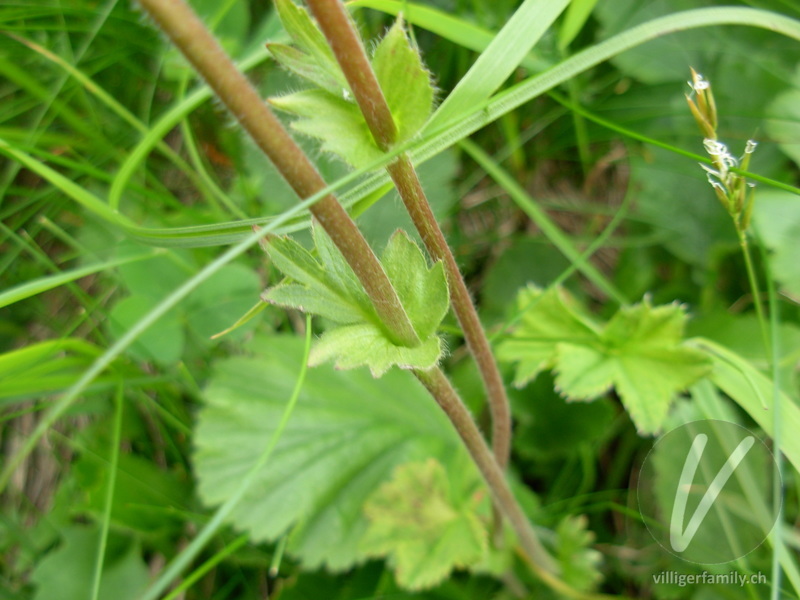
(405, 81)
(352, 346)
(425, 530)
(641, 355)
(783, 122)
(639, 352)
(220, 300)
(335, 121)
(776, 215)
(305, 66)
(66, 572)
(578, 561)
(422, 291)
(346, 435)
(305, 34)
(162, 344)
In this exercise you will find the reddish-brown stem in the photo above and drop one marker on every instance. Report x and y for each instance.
(191, 36)
(410, 189)
(345, 42)
(448, 399)
(349, 51)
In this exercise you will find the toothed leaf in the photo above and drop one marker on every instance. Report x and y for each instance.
(639, 352)
(305, 66)
(309, 39)
(422, 291)
(416, 520)
(333, 120)
(578, 560)
(405, 81)
(351, 346)
(328, 287)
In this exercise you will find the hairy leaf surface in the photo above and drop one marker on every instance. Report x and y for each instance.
(346, 435)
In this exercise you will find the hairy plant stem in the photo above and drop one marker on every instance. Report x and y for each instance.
(346, 44)
(180, 23)
(200, 47)
(436, 382)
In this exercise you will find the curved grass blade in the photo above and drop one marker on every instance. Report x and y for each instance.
(69, 398)
(43, 284)
(211, 528)
(501, 57)
(542, 220)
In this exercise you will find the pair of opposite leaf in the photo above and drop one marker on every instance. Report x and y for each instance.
(328, 111)
(327, 287)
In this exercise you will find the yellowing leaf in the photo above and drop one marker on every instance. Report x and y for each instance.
(421, 527)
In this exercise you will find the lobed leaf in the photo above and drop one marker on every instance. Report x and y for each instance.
(346, 435)
(336, 122)
(422, 291)
(330, 289)
(639, 352)
(405, 81)
(425, 531)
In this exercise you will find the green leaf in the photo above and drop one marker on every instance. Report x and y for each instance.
(352, 346)
(305, 66)
(547, 320)
(425, 531)
(66, 572)
(422, 291)
(304, 33)
(639, 353)
(163, 343)
(405, 81)
(346, 435)
(220, 300)
(579, 562)
(330, 289)
(324, 289)
(335, 121)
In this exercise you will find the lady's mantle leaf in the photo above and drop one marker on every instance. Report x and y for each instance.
(405, 81)
(425, 531)
(330, 289)
(345, 436)
(578, 561)
(549, 317)
(639, 352)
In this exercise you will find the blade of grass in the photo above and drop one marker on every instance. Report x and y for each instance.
(210, 529)
(542, 220)
(43, 284)
(501, 57)
(109, 499)
(100, 364)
